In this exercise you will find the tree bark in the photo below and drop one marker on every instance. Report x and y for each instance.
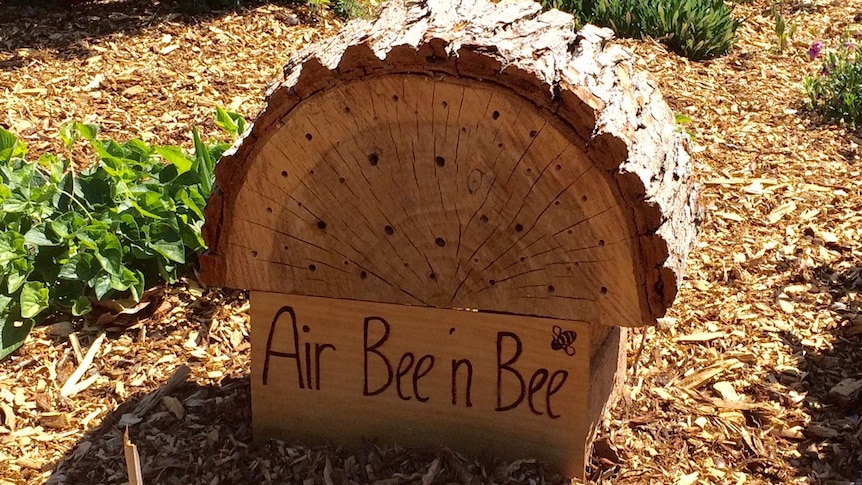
(461, 154)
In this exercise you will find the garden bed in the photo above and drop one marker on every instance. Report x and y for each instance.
(738, 383)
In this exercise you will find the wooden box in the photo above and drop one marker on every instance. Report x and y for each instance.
(493, 385)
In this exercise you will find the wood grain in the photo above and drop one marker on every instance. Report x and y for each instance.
(460, 154)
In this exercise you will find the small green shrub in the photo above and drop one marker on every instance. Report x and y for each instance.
(697, 29)
(350, 8)
(629, 18)
(836, 92)
(116, 228)
(783, 32)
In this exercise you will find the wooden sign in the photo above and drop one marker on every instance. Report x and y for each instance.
(327, 370)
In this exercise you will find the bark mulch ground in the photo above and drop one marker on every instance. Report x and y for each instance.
(749, 379)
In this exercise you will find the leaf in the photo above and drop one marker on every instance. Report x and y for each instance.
(34, 299)
(87, 131)
(11, 247)
(101, 285)
(10, 146)
(175, 156)
(172, 250)
(37, 237)
(204, 165)
(186, 199)
(681, 119)
(16, 274)
(225, 122)
(80, 267)
(81, 305)
(68, 134)
(109, 253)
(12, 334)
(137, 288)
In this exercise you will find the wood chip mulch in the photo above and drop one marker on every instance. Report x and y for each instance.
(755, 376)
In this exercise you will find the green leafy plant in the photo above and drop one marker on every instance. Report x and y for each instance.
(783, 32)
(836, 92)
(681, 121)
(697, 29)
(123, 224)
(351, 8)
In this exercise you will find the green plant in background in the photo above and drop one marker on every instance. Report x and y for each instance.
(682, 120)
(836, 92)
(630, 18)
(697, 29)
(351, 8)
(122, 225)
(783, 32)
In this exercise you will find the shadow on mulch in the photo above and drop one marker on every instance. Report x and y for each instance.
(215, 424)
(832, 448)
(210, 442)
(68, 27)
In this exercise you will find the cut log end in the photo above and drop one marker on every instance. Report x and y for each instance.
(400, 162)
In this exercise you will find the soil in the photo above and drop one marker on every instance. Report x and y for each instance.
(745, 381)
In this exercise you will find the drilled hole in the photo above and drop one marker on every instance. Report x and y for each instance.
(285, 247)
(523, 259)
(346, 262)
(254, 254)
(483, 219)
(475, 260)
(389, 230)
(308, 136)
(440, 161)
(395, 98)
(433, 276)
(584, 198)
(406, 264)
(551, 289)
(601, 242)
(492, 282)
(604, 290)
(269, 210)
(495, 115)
(556, 202)
(347, 109)
(529, 171)
(341, 180)
(363, 275)
(533, 133)
(284, 173)
(519, 227)
(312, 267)
(444, 104)
(311, 172)
(373, 159)
(558, 167)
(569, 232)
(321, 225)
(440, 241)
(499, 145)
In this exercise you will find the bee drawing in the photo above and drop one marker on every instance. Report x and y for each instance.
(563, 340)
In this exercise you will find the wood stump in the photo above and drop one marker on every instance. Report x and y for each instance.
(462, 154)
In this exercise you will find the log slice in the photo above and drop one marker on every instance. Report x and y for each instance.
(461, 154)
